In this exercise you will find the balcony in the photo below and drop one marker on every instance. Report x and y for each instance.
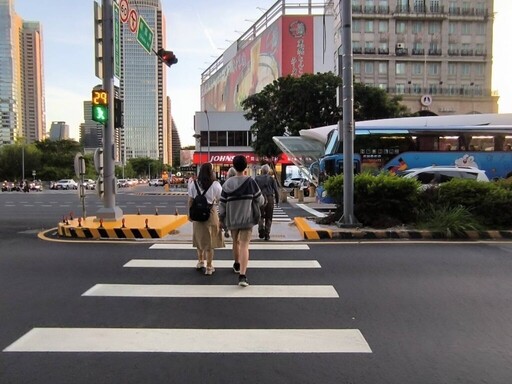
(401, 51)
(453, 52)
(418, 51)
(369, 51)
(357, 50)
(383, 51)
(435, 52)
(466, 52)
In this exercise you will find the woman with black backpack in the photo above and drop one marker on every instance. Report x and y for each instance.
(207, 234)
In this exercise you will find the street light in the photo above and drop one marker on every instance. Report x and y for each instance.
(208, 126)
(197, 136)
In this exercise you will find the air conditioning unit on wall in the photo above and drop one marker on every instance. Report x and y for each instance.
(400, 46)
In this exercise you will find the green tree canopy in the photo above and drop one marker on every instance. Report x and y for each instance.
(290, 104)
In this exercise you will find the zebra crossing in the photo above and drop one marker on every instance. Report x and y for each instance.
(204, 340)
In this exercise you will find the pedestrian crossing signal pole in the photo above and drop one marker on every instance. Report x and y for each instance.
(110, 212)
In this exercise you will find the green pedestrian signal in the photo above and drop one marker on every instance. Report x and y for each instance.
(100, 113)
(99, 106)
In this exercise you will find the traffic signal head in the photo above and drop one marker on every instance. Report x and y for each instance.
(167, 57)
(100, 106)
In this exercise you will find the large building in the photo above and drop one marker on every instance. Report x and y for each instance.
(435, 54)
(59, 130)
(146, 131)
(22, 114)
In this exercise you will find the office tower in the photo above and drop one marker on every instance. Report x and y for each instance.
(143, 89)
(21, 76)
(59, 130)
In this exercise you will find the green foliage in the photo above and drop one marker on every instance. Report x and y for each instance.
(452, 220)
(374, 103)
(334, 187)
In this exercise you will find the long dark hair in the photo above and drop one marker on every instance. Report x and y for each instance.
(206, 176)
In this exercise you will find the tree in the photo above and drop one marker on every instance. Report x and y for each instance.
(290, 104)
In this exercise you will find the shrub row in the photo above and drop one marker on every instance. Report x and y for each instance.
(385, 200)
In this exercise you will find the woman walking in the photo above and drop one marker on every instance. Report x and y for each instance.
(206, 235)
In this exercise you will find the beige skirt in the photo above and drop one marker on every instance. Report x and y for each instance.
(207, 235)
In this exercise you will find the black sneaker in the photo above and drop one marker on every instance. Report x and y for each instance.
(267, 237)
(236, 267)
(261, 233)
(242, 281)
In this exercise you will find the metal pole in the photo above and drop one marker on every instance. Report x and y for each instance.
(208, 126)
(110, 211)
(348, 219)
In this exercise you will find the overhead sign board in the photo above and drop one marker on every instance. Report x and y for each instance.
(117, 41)
(145, 35)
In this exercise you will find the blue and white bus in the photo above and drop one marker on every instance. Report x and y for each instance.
(483, 141)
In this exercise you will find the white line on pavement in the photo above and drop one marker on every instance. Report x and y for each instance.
(152, 263)
(191, 340)
(224, 291)
(229, 246)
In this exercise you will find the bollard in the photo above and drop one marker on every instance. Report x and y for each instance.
(176, 212)
(156, 211)
(147, 221)
(138, 211)
(64, 219)
(122, 223)
(101, 223)
(79, 222)
(300, 196)
(71, 215)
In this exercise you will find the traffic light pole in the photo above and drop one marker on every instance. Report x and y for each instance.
(110, 212)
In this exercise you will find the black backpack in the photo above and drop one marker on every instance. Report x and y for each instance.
(200, 209)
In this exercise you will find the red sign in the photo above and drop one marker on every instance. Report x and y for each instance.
(297, 45)
(124, 10)
(226, 158)
(134, 20)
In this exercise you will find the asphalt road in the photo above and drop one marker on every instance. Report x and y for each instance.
(414, 313)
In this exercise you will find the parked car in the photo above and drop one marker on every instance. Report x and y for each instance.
(36, 185)
(66, 184)
(292, 182)
(435, 174)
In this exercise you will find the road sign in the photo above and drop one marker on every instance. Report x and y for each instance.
(124, 10)
(145, 35)
(133, 20)
(117, 42)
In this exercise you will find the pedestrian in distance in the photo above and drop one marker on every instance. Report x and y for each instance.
(239, 211)
(270, 192)
(206, 235)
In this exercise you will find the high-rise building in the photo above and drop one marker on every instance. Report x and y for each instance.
(91, 133)
(59, 130)
(22, 112)
(143, 89)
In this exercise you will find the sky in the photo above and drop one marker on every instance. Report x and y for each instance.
(198, 31)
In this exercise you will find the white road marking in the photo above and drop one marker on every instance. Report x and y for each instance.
(191, 340)
(152, 263)
(229, 246)
(311, 210)
(225, 291)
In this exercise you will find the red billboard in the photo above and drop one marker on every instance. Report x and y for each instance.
(297, 45)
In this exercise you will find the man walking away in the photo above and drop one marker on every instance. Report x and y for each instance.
(269, 190)
(239, 211)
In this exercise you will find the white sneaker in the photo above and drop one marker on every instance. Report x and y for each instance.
(199, 265)
(209, 271)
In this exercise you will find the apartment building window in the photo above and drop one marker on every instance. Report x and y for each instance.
(383, 86)
(383, 26)
(368, 26)
(453, 89)
(356, 26)
(480, 29)
(434, 69)
(466, 28)
(399, 88)
(435, 7)
(479, 69)
(465, 7)
(400, 68)
(432, 88)
(452, 69)
(434, 27)
(419, 5)
(465, 69)
(383, 68)
(357, 67)
(400, 27)
(417, 27)
(417, 68)
(452, 28)
(238, 138)
(368, 67)
(416, 89)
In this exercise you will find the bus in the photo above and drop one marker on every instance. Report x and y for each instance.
(483, 141)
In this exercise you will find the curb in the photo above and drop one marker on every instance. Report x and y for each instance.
(309, 233)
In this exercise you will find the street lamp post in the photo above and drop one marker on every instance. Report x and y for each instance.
(208, 126)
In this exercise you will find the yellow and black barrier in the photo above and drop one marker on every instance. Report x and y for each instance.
(129, 227)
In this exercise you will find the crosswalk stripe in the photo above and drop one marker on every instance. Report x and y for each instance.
(191, 340)
(225, 291)
(229, 246)
(288, 264)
